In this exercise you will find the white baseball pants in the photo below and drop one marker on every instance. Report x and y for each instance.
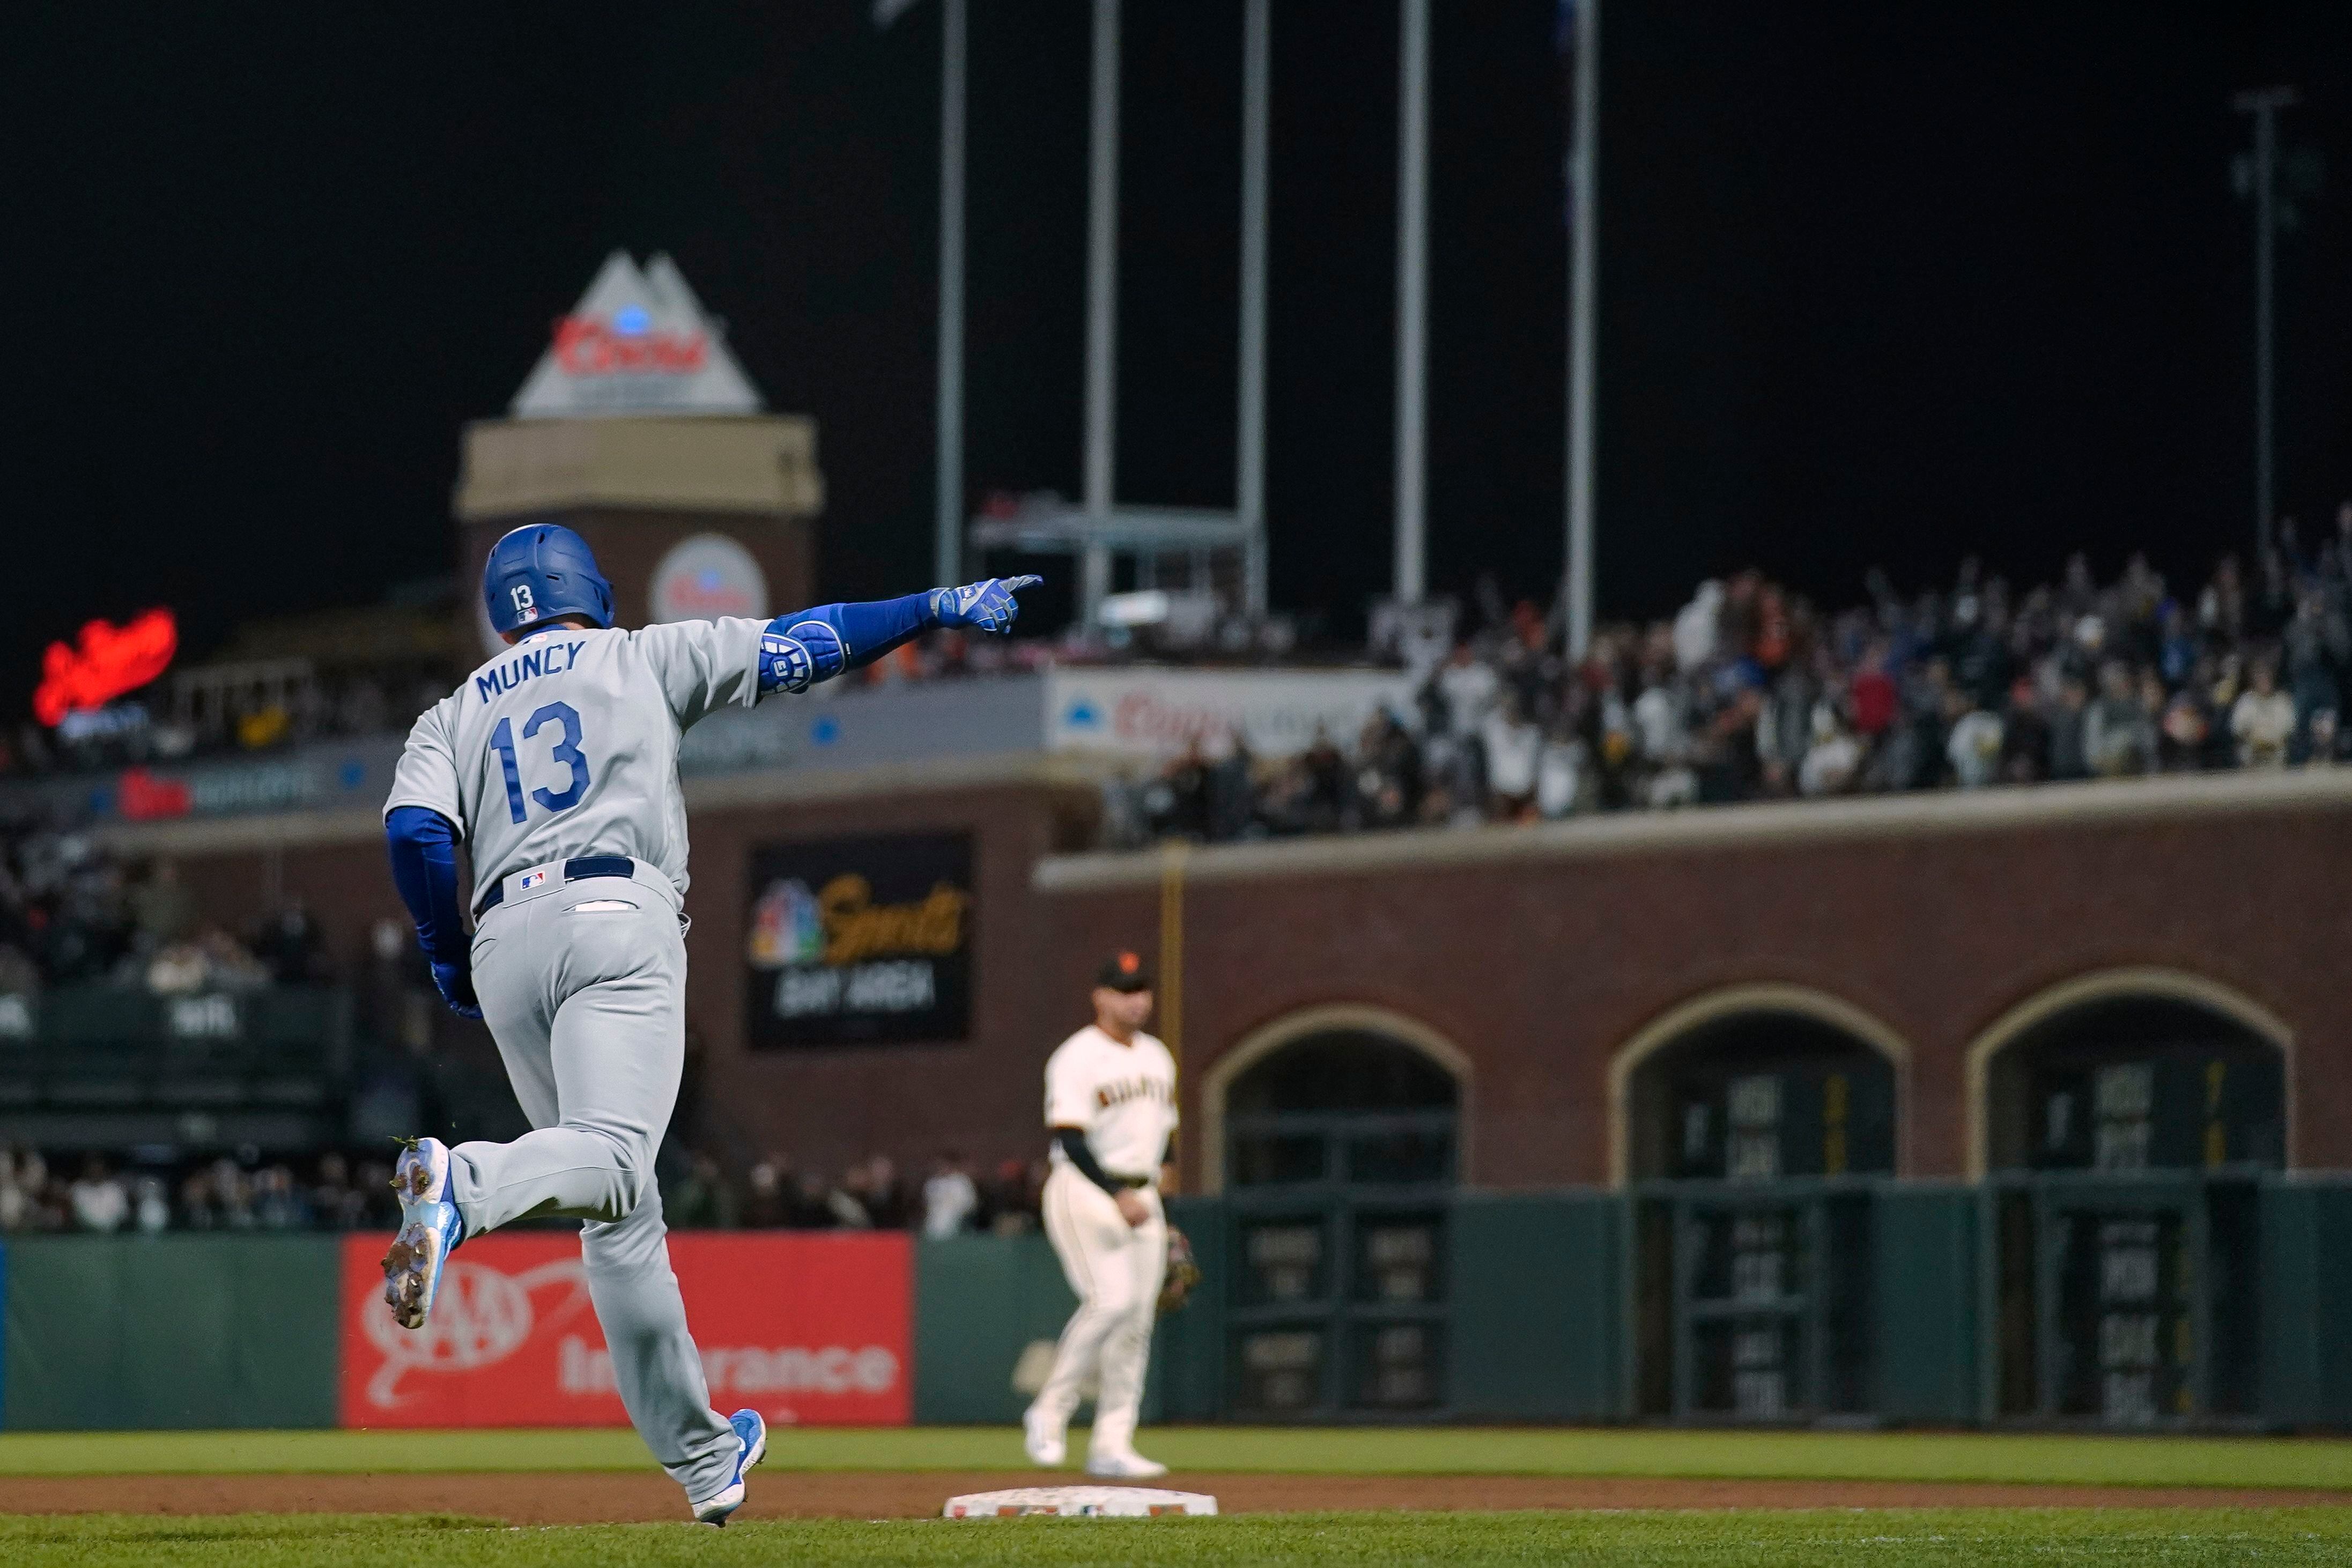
(1115, 1269)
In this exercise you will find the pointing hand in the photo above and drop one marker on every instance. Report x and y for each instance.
(989, 605)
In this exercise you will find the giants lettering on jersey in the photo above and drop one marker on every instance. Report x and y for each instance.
(525, 667)
(1111, 1094)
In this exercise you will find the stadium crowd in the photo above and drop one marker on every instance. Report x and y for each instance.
(70, 913)
(1752, 693)
(341, 1190)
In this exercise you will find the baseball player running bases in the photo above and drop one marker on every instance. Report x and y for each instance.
(554, 767)
(1110, 1107)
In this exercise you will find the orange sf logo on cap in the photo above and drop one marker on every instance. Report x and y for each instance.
(1129, 963)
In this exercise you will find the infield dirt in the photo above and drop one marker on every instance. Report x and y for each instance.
(591, 1497)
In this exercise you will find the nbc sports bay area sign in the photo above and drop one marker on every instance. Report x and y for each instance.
(813, 1330)
(860, 941)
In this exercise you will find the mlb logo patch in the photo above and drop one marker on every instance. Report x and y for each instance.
(533, 878)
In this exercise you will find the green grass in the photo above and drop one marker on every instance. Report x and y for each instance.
(1823, 1455)
(2155, 1538)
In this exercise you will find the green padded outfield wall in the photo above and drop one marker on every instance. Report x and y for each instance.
(2306, 1302)
(981, 1301)
(1537, 1290)
(170, 1331)
(1188, 1349)
(1923, 1315)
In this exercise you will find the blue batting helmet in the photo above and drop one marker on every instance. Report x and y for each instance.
(540, 571)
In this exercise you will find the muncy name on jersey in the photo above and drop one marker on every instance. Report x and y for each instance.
(552, 659)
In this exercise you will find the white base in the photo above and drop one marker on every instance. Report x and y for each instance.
(1080, 1503)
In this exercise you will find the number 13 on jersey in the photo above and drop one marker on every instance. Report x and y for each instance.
(566, 751)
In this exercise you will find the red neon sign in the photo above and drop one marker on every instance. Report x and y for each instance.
(109, 661)
(587, 345)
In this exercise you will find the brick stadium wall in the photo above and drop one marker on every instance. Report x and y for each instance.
(1540, 966)
(1537, 952)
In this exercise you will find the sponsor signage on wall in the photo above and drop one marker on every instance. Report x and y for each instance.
(1158, 712)
(812, 1329)
(860, 940)
(638, 342)
(706, 577)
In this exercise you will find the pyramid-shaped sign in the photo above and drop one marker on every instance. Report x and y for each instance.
(638, 342)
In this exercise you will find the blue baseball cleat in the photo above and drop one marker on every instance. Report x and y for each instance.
(752, 1433)
(430, 1230)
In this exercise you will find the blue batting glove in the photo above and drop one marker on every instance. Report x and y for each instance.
(989, 605)
(800, 656)
(456, 983)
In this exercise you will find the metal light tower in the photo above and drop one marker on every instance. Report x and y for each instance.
(946, 523)
(1412, 299)
(1583, 175)
(2257, 176)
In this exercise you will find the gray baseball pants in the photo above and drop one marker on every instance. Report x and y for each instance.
(584, 987)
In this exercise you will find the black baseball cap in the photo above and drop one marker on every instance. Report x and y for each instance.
(1124, 972)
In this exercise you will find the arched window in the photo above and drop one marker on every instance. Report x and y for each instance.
(2128, 1072)
(1341, 1105)
(1759, 1083)
(1335, 1135)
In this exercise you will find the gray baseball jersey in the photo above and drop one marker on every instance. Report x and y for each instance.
(567, 744)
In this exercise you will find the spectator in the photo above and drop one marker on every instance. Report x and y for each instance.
(703, 1201)
(767, 1201)
(2264, 721)
(1468, 685)
(950, 1198)
(151, 1210)
(1560, 774)
(21, 1178)
(1974, 747)
(290, 947)
(2118, 733)
(277, 1203)
(886, 1198)
(1513, 745)
(163, 908)
(847, 1199)
(98, 1202)
(813, 1204)
(1834, 757)
(335, 1204)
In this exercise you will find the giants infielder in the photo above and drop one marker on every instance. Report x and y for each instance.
(555, 765)
(1110, 1104)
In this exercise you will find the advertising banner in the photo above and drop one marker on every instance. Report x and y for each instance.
(860, 940)
(803, 1329)
(1158, 714)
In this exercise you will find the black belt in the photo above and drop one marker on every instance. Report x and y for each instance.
(574, 871)
(1133, 1181)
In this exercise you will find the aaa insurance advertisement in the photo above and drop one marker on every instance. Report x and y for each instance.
(814, 1330)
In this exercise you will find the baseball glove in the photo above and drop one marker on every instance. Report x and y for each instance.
(1182, 1275)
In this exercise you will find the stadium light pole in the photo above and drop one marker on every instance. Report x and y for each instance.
(947, 523)
(946, 543)
(2261, 170)
(1249, 486)
(1102, 301)
(1413, 296)
(1583, 172)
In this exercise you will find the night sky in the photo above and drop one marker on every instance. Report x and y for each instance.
(1880, 285)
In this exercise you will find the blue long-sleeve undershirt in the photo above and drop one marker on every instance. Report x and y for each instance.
(424, 845)
(870, 628)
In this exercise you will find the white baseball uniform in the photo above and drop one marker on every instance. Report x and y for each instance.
(1124, 1097)
(563, 748)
